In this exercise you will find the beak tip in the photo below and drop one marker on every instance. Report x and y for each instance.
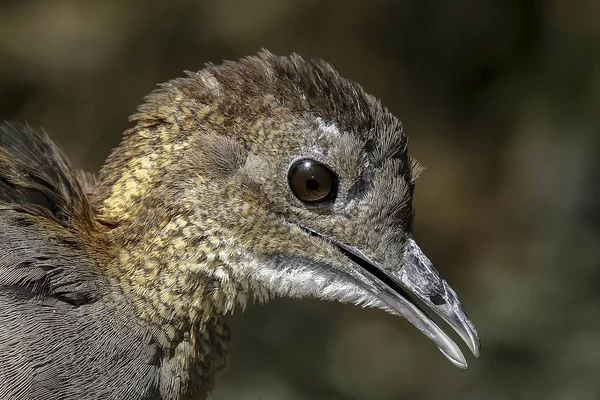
(455, 357)
(472, 340)
(476, 350)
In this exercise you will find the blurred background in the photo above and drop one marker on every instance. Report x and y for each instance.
(501, 100)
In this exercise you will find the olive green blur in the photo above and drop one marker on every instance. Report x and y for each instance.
(501, 101)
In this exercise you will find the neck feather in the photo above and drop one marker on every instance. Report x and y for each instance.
(172, 264)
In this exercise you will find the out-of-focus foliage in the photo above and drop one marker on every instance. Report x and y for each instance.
(501, 100)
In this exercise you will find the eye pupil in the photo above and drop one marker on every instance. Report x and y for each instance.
(312, 184)
(312, 181)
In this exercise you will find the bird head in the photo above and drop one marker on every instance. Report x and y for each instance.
(274, 176)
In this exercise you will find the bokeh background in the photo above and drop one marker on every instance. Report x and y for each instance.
(501, 100)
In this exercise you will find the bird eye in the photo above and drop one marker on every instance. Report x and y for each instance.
(312, 181)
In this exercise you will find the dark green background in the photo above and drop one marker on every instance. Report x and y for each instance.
(501, 100)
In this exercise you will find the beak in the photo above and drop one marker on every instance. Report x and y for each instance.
(410, 289)
(418, 276)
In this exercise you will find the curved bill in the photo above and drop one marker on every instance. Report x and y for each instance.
(412, 287)
(420, 278)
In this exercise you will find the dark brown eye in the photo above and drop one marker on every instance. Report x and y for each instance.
(311, 181)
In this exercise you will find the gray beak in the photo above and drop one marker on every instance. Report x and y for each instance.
(411, 289)
(418, 277)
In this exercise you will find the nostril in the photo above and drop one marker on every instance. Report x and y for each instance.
(437, 300)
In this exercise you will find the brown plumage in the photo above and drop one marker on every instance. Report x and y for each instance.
(270, 176)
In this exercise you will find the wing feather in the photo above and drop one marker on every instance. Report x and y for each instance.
(62, 334)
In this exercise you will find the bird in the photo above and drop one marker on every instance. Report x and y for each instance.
(270, 176)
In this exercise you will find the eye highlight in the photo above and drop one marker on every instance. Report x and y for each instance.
(311, 181)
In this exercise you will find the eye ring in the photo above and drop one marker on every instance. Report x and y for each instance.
(311, 181)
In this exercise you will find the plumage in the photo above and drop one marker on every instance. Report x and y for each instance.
(116, 288)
